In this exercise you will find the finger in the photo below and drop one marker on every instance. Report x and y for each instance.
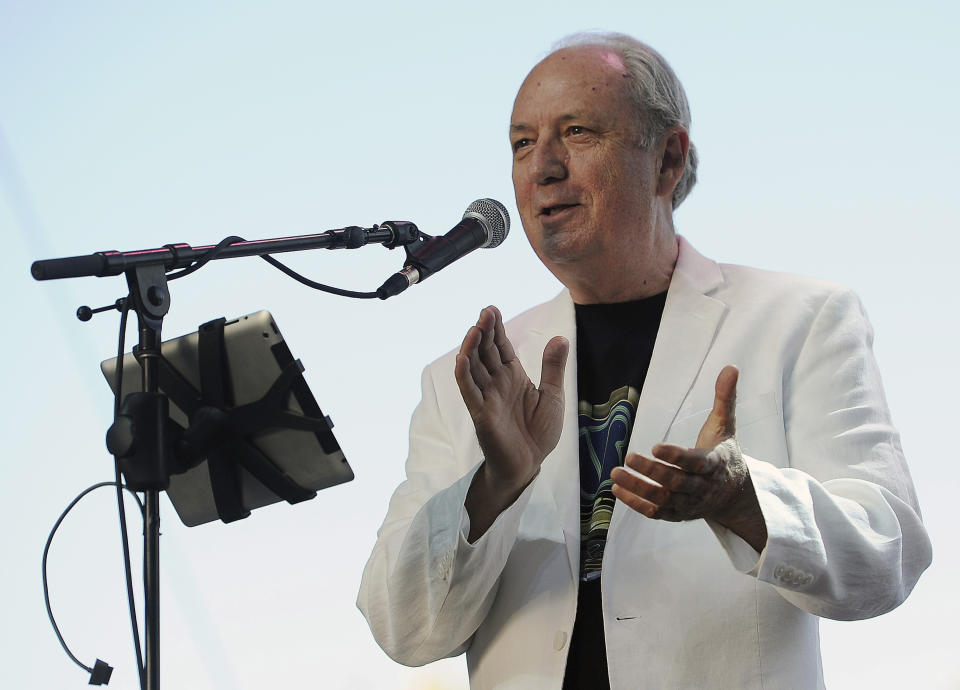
(642, 487)
(721, 422)
(500, 338)
(489, 354)
(694, 460)
(674, 478)
(725, 399)
(638, 503)
(554, 362)
(470, 349)
(469, 391)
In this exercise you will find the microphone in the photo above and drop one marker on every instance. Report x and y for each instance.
(485, 223)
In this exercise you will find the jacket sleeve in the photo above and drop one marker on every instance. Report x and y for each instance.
(845, 538)
(425, 589)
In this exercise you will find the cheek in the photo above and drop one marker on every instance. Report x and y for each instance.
(621, 189)
(607, 188)
(520, 189)
(600, 175)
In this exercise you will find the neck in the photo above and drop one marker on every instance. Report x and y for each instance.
(631, 275)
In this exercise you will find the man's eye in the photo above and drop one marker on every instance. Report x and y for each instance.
(520, 143)
(576, 129)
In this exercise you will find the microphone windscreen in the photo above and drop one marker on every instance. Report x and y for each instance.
(494, 218)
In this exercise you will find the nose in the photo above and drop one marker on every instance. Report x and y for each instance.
(549, 161)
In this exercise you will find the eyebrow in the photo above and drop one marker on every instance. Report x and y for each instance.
(566, 117)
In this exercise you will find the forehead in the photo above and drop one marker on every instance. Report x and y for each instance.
(582, 77)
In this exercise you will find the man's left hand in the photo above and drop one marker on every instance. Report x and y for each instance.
(708, 481)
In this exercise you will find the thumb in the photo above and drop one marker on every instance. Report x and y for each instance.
(554, 362)
(721, 424)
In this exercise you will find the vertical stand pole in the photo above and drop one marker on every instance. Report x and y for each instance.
(151, 299)
(151, 589)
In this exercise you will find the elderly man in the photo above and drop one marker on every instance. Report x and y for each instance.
(648, 516)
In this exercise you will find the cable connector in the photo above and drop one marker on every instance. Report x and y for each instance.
(398, 282)
(100, 675)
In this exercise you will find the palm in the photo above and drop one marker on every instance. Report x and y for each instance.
(517, 423)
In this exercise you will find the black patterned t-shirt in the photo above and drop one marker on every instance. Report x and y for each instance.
(614, 347)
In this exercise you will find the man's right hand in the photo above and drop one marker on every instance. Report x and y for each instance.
(517, 423)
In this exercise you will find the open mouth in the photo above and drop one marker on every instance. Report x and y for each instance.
(552, 210)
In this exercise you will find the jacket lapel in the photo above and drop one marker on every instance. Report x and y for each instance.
(560, 472)
(687, 328)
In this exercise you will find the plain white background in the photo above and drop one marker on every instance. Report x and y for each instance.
(828, 141)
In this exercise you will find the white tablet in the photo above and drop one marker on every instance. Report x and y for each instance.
(255, 356)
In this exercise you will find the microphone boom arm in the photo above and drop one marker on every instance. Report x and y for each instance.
(390, 234)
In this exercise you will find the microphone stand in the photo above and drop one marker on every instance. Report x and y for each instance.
(146, 275)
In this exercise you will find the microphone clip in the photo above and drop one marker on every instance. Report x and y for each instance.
(409, 274)
(403, 233)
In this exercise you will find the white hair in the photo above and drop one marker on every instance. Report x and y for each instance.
(654, 88)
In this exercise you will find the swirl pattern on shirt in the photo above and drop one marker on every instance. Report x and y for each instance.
(604, 434)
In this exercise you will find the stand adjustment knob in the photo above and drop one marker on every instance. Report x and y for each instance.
(120, 437)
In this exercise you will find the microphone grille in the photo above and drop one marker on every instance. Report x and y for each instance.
(494, 218)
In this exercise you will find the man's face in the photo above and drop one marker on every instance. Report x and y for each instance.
(584, 187)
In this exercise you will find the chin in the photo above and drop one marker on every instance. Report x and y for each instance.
(563, 248)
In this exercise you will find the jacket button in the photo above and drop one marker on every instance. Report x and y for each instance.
(559, 640)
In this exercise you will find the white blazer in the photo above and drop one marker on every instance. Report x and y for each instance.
(685, 605)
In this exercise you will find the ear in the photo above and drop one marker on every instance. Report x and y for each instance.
(675, 144)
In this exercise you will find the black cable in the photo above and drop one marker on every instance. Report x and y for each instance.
(227, 241)
(124, 538)
(207, 256)
(46, 551)
(313, 284)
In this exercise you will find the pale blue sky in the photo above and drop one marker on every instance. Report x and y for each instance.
(828, 141)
